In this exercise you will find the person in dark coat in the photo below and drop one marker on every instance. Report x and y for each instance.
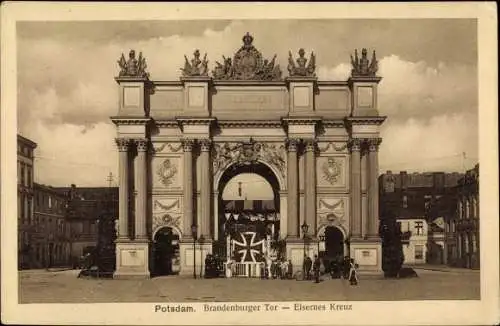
(308, 265)
(346, 267)
(316, 267)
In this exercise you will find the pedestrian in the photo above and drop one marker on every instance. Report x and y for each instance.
(353, 274)
(316, 268)
(308, 265)
(290, 269)
(346, 267)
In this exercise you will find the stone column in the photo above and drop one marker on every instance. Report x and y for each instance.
(188, 187)
(373, 219)
(356, 188)
(293, 190)
(364, 196)
(204, 224)
(310, 185)
(123, 145)
(140, 170)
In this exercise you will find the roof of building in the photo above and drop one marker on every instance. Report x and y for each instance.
(91, 202)
(37, 187)
(26, 141)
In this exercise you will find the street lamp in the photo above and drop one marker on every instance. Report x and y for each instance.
(194, 233)
(304, 228)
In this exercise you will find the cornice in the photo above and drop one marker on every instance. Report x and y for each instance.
(375, 120)
(249, 82)
(332, 83)
(195, 121)
(301, 120)
(337, 123)
(124, 120)
(250, 123)
(167, 83)
(132, 79)
(166, 123)
(372, 79)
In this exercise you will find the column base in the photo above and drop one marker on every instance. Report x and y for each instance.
(132, 260)
(295, 250)
(367, 253)
(187, 251)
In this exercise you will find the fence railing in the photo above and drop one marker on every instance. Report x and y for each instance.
(244, 269)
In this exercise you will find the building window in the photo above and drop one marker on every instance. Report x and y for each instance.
(405, 201)
(22, 174)
(419, 252)
(419, 227)
(30, 219)
(29, 176)
(50, 202)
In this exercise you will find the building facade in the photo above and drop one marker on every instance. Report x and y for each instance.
(415, 240)
(428, 199)
(51, 233)
(25, 220)
(465, 224)
(86, 208)
(180, 142)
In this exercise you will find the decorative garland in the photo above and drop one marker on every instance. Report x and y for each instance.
(166, 207)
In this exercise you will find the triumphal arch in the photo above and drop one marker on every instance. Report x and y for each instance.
(181, 142)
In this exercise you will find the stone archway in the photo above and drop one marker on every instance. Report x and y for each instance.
(249, 213)
(166, 252)
(332, 241)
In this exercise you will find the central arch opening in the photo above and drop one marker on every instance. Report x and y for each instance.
(249, 207)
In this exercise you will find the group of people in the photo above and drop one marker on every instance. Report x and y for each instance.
(347, 269)
(281, 269)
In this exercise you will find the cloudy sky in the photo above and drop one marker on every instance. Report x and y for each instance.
(66, 89)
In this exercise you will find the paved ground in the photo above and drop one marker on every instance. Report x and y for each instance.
(41, 286)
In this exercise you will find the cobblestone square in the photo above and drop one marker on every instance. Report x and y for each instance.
(64, 287)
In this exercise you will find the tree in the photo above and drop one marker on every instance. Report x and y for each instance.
(392, 247)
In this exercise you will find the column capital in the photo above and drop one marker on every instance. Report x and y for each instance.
(187, 144)
(205, 144)
(292, 144)
(355, 145)
(142, 145)
(122, 144)
(373, 144)
(310, 145)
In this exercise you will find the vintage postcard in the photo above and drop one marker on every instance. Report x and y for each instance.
(249, 163)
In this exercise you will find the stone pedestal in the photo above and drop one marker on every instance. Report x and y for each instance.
(295, 252)
(132, 260)
(186, 255)
(187, 252)
(368, 255)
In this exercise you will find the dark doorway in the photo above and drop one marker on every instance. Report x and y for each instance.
(334, 242)
(166, 251)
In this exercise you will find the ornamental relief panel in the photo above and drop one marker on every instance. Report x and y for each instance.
(246, 153)
(331, 171)
(167, 172)
(167, 212)
(332, 147)
(333, 211)
(167, 148)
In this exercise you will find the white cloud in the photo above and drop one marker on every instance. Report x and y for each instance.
(433, 145)
(74, 154)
